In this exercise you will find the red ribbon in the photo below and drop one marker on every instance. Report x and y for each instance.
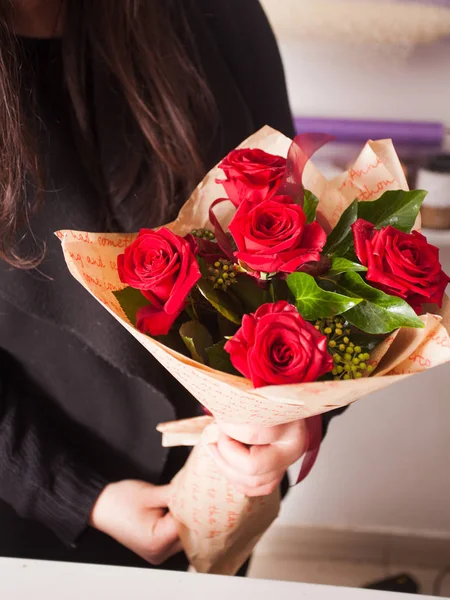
(222, 238)
(303, 147)
(315, 434)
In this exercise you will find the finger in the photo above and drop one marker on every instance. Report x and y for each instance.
(244, 481)
(251, 435)
(158, 496)
(260, 436)
(165, 554)
(266, 490)
(164, 533)
(176, 548)
(256, 460)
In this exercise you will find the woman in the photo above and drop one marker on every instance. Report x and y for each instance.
(111, 111)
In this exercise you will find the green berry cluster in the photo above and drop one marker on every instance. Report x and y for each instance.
(222, 274)
(203, 234)
(350, 362)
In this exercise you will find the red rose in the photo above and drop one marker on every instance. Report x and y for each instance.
(252, 174)
(273, 236)
(401, 264)
(163, 266)
(276, 346)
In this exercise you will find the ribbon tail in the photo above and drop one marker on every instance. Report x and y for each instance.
(222, 238)
(303, 147)
(315, 433)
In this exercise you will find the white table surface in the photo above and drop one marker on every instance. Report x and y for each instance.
(34, 580)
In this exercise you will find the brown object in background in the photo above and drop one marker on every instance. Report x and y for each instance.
(435, 178)
(435, 218)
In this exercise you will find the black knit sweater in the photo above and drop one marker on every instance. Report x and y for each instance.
(79, 397)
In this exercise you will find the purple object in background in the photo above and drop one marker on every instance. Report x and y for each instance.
(445, 3)
(403, 133)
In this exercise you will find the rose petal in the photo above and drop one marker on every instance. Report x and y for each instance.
(284, 348)
(362, 232)
(401, 264)
(155, 322)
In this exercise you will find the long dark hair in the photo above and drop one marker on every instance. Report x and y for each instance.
(151, 58)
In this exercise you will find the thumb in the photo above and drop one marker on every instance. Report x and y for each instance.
(165, 531)
(251, 435)
(159, 496)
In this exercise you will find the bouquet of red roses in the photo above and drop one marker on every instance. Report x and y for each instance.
(275, 295)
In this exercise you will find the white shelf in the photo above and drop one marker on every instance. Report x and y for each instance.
(24, 579)
(437, 237)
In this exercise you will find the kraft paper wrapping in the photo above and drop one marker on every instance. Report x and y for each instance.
(219, 527)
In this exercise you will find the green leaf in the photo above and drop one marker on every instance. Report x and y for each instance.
(203, 267)
(313, 302)
(226, 328)
(219, 359)
(397, 208)
(367, 341)
(378, 312)
(343, 265)
(279, 290)
(173, 340)
(310, 204)
(340, 239)
(223, 302)
(249, 293)
(191, 310)
(197, 339)
(131, 301)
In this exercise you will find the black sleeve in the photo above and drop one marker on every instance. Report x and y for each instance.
(39, 477)
(248, 45)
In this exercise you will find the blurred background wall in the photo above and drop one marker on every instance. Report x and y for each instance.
(385, 464)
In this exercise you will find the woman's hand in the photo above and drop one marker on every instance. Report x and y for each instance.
(135, 514)
(255, 459)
